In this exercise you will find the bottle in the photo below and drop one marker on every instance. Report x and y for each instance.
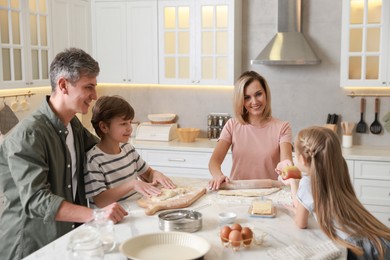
(209, 120)
(105, 227)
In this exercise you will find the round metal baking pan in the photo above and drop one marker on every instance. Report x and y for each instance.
(180, 220)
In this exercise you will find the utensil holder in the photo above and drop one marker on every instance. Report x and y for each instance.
(347, 141)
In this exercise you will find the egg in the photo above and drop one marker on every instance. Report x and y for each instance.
(247, 235)
(236, 226)
(224, 233)
(235, 238)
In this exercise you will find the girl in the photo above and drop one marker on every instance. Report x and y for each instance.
(115, 171)
(337, 209)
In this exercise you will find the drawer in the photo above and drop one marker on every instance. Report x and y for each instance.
(373, 192)
(381, 213)
(176, 159)
(372, 170)
(350, 165)
(183, 172)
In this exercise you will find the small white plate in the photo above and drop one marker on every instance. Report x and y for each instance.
(166, 245)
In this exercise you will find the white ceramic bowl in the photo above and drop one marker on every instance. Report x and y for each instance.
(227, 217)
(161, 117)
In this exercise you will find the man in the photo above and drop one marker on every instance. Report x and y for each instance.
(41, 162)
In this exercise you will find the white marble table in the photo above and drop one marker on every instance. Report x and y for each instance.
(281, 230)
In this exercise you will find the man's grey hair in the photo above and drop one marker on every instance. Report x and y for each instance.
(72, 64)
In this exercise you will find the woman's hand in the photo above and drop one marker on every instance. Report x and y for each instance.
(216, 182)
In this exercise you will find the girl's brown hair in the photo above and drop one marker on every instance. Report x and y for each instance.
(335, 201)
(108, 107)
(243, 81)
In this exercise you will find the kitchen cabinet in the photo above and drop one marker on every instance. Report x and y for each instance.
(125, 40)
(182, 163)
(199, 41)
(70, 25)
(372, 187)
(24, 43)
(351, 168)
(365, 46)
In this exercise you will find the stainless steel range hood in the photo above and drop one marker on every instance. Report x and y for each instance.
(288, 46)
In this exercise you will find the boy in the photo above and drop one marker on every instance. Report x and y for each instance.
(115, 171)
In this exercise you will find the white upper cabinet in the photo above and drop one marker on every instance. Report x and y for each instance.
(365, 48)
(125, 41)
(199, 41)
(71, 25)
(24, 43)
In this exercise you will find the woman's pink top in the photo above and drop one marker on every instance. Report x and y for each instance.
(255, 150)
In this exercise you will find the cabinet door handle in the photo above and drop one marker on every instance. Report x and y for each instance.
(176, 159)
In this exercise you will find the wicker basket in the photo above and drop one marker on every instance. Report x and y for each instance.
(188, 135)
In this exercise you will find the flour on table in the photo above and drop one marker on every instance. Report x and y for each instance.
(169, 193)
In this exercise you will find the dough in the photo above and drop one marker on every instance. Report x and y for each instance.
(169, 193)
(248, 192)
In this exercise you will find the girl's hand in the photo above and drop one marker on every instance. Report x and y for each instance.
(286, 182)
(281, 165)
(216, 182)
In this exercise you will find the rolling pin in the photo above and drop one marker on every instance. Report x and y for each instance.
(250, 184)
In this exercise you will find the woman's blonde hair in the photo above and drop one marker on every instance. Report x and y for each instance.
(241, 114)
(335, 201)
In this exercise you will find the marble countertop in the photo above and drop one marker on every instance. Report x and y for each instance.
(279, 231)
(371, 153)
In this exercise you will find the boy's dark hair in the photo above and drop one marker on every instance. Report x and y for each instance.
(108, 107)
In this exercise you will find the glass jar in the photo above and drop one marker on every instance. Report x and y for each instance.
(85, 244)
(105, 227)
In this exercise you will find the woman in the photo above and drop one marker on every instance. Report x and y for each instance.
(259, 142)
(331, 197)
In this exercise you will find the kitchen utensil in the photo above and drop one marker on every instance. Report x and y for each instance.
(376, 127)
(347, 127)
(180, 220)
(186, 214)
(8, 119)
(347, 141)
(165, 245)
(361, 127)
(181, 201)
